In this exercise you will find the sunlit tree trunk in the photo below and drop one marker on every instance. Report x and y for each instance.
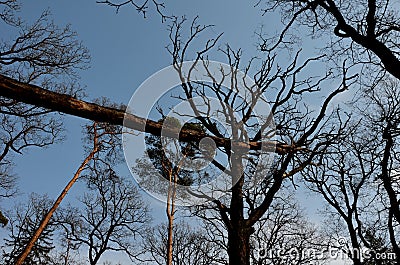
(171, 198)
(171, 215)
(21, 258)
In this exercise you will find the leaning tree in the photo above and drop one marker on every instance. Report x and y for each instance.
(40, 53)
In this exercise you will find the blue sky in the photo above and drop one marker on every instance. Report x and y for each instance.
(125, 49)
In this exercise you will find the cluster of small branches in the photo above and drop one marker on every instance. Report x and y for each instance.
(141, 7)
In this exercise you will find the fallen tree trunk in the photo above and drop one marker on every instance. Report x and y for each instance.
(37, 96)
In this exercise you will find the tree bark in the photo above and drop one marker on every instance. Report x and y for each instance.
(170, 216)
(385, 173)
(238, 234)
(239, 245)
(369, 41)
(37, 96)
(21, 258)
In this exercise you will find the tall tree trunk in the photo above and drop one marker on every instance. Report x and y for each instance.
(239, 246)
(355, 252)
(170, 215)
(21, 258)
(392, 236)
(173, 179)
(238, 234)
(170, 239)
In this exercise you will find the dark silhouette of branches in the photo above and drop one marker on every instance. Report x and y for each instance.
(365, 31)
(297, 126)
(23, 223)
(358, 177)
(113, 215)
(42, 53)
(141, 7)
(285, 236)
(98, 140)
(190, 246)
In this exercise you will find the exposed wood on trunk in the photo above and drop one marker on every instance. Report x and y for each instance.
(37, 96)
(22, 257)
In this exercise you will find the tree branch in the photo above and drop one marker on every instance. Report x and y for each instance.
(37, 96)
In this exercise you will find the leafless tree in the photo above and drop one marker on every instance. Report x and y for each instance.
(113, 215)
(303, 134)
(307, 134)
(282, 236)
(357, 178)
(65, 254)
(42, 53)
(49, 248)
(190, 246)
(365, 31)
(285, 236)
(113, 218)
(23, 223)
(99, 136)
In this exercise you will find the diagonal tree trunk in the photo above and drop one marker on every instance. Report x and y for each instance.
(21, 258)
(37, 96)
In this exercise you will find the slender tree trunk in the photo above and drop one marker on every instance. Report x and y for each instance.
(171, 216)
(21, 258)
(96, 258)
(170, 239)
(170, 210)
(173, 179)
(66, 257)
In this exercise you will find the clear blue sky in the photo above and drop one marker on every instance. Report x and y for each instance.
(125, 49)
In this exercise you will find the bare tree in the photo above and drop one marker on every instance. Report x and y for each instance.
(113, 215)
(42, 53)
(300, 138)
(282, 236)
(25, 220)
(358, 179)
(99, 134)
(384, 119)
(113, 218)
(285, 236)
(365, 31)
(65, 254)
(190, 246)
(307, 135)
(23, 223)
(102, 152)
